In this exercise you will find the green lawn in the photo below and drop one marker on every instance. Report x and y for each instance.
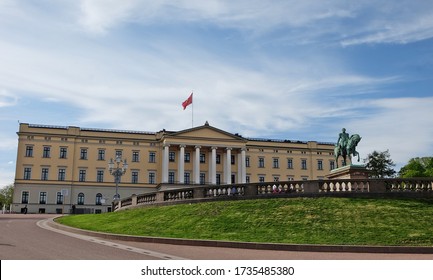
(294, 220)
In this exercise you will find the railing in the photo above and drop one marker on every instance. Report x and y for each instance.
(126, 202)
(180, 194)
(409, 185)
(344, 186)
(281, 187)
(146, 198)
(419, 187)
(225, 190)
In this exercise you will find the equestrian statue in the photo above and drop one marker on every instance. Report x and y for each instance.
(346, 146)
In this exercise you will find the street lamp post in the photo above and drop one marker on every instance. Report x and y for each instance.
(117, 171)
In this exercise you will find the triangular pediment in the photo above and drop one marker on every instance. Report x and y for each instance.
(207, 132)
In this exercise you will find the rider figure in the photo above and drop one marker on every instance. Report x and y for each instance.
(343, 137)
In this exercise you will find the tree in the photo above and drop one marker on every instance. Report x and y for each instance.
(417, 167)
(380, 164)
(6, 195)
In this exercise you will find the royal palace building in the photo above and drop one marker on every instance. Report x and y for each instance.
(61, 167)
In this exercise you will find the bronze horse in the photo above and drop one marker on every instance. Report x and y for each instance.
(348, 150)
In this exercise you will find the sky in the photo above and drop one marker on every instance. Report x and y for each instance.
(297, 70)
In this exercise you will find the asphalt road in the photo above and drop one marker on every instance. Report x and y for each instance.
(30, 237)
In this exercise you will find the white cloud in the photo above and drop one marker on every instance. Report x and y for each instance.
(402, 125)
(303, 21)
(132, 82)
(7, 99)
(100, 15)
(400, 32)
(7, 176)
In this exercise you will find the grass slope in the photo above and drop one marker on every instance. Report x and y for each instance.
(296, 220)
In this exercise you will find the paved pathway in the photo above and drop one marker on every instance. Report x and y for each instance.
(31, 237)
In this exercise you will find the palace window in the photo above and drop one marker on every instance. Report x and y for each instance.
(101, 154)
(82, 175)
(134, 177)
(261, 178)
(304, 164)
(187, 157)
(218, 179)
(152, 157)
(27, 173)
(135, 156)
(59, 198)
(152, 177)
(100, 176)
(276, 163)
(62, 174)
(80, 199)
(202, 158)
(171, 175)
(202, 178)
(320, 164)
(289, 163)
(63, 152)
(29, 151)
(25, 197)
(261, 162)
(44, 174)
(83, 153)
(247, 162)
(218, 159)
(119, 153)
(43, 198)
(187, 178)
(171, 156)
(98, 199)
(331, 165)
(46, 152)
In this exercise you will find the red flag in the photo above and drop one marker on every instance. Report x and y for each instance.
(187, 102)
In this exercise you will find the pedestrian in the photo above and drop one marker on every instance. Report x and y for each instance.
(25, 209)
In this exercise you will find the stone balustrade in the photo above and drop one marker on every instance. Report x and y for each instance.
(409, 185)
(419, 187)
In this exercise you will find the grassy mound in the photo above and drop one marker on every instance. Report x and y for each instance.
(335, 221)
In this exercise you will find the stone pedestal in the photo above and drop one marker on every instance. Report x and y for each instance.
(349, 172)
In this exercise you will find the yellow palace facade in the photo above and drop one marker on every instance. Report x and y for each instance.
(60, 167)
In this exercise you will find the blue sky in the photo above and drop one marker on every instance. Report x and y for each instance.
(298, 70)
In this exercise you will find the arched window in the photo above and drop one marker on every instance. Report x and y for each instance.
(80, 200)
(98, 199)
(59, 198)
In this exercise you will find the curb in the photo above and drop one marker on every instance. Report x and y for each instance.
(252, 245)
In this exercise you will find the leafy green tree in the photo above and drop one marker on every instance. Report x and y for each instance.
(380, 164)
(418, 167)
(6, 195)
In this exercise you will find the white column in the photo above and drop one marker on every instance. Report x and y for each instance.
(197, 165)
(165, 164)
(228, 167)
(239, 177)
(244, 166)
(212, 165)
(181, 169)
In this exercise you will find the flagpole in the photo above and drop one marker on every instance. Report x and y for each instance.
(192, 111)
